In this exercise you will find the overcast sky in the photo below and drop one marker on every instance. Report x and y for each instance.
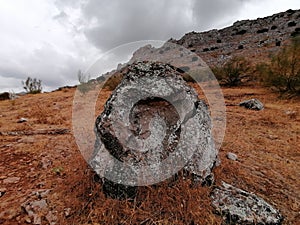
(52, 39)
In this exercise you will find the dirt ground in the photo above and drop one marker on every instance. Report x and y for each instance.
(39, 159)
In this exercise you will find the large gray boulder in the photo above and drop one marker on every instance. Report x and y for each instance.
(240, 207)
(152, 127)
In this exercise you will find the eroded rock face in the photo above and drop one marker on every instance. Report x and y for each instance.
(152, 126)
(240, 207)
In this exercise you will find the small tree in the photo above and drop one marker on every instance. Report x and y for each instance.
(283, 73)
(82, 78)
(32, 86)
(84, 86)
(232, 73)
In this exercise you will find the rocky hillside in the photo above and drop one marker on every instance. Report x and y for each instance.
(253, 39)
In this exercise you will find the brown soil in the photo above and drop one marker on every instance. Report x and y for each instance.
(266, 142)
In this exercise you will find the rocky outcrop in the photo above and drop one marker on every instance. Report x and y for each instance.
(252, 39)
(240, 207)
(152, 126)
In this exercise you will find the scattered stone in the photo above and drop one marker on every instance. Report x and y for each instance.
(151, 114)
(36, 210)
(27, 219)
(240, 207)
(2, 191)
(11, 180)
(22, 120)
(67, 212)
(232, 156)
(51, 218)
(45, 163)
(253, 104)
(292, 114)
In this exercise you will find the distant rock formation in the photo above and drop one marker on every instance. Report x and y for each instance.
(253, 39)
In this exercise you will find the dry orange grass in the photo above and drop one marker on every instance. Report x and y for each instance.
(266, 142)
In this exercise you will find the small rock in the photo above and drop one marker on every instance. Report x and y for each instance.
(36, 210)
(27, 219)
(2, 191)
(45, 162)
(291, 114)
(22, 120)
(11, 180)
(253, 104)
(51, 218)
(67, 212)
(232, 156)
(240, 207)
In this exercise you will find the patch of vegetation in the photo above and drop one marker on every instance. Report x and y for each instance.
(273, 27)
(283, 73)
(32, 85)
(232, 73)
(264, 30)
(241, 32)
(84, 85)
(292, 24)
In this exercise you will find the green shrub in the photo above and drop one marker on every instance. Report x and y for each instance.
(84, 84)
(283, 73)
(232, 73)
(32, 86)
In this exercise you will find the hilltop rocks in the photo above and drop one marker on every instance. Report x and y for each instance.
(240, 207)
(152, 126)
(253, 104)
(215, 47)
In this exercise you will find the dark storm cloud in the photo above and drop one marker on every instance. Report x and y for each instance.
(212, 12)
(118, 22)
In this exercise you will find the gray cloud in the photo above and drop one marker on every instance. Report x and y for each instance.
(126, 21)
(51, 40)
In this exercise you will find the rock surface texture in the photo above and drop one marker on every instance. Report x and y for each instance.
(240, 207)
(152, 127)
(253, 104)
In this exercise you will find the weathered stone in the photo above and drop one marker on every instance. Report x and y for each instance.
(36, 210)
(240, 207)
(152, 126)
(253, 104)
(22, 120)
(231, 156)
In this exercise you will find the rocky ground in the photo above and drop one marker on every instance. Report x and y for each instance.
(45, 180)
